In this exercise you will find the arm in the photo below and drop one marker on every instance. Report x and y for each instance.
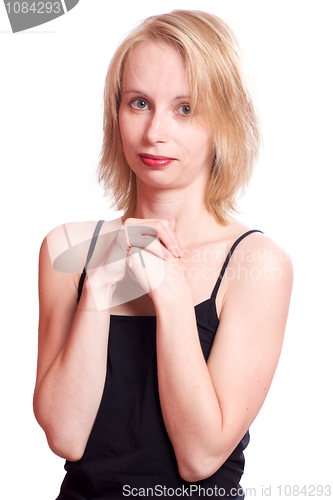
(207, 408)
(71, 360)
(73, 338)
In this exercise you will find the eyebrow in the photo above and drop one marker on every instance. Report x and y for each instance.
(134, 91)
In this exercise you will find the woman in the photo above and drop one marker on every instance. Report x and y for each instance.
(156, 399)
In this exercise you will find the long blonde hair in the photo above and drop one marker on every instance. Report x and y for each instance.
(218, 85)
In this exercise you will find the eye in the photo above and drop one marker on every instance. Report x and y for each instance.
(139, 104)
(185, 109)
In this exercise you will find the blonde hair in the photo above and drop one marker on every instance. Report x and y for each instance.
(218, 87)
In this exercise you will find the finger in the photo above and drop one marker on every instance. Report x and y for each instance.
(140, 227)
(173, 245)
(148, 270)
(141, 236)
(127, 240)
(165, 233)
(146, 237)
(145, 270)
(145, 241)
(123, 243)
(134, 233)
(138, 270)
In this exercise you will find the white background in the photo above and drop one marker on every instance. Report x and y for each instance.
(50, 130)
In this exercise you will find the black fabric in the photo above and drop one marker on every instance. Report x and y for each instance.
(90, 252)
(128, 446)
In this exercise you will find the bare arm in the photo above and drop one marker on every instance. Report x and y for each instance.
(71, 360)
(73, 341)
(207, 408)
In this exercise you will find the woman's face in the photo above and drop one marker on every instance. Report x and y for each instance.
(164, 144)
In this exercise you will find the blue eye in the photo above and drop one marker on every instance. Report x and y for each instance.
(139, 104)
(185, 109)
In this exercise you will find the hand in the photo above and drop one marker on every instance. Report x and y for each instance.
(148, 264)
(137, 244)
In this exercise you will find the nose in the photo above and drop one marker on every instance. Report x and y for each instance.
(157, 129)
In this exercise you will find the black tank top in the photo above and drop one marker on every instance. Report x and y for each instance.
(129, 453)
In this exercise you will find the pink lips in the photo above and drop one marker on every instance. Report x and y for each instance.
(155, 161)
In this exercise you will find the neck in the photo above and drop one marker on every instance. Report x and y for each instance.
(185, 206)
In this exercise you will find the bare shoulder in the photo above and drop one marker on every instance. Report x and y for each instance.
(258, 251)
(62, 258)
(259, 266)
(67, 245)
(257, 287)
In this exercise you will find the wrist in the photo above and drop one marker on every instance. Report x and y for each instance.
(96, 295)
(166, 298)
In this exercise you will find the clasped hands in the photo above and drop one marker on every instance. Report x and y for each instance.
(141, 247)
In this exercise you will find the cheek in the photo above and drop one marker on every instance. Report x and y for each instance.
(201, 145)
(122, 123)
(125, 132)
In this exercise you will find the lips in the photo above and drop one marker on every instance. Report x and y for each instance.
(155, 161)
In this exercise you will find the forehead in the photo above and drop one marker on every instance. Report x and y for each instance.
(155, 67)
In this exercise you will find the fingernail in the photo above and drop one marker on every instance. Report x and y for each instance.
(180, 252)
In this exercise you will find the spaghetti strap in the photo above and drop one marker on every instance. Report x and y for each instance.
(226, 262)
(90, 252)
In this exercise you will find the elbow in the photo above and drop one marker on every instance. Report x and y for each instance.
(67, 449)
(62, 444)
(195, 469)
(61, 440)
